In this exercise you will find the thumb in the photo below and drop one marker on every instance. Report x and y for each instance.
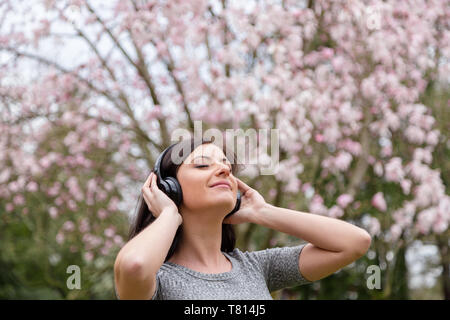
(242, 186)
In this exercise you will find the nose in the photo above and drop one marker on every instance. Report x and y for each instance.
(224, 168)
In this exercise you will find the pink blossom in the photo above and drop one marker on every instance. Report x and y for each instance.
(351, 146)
(425, 219)
(84, 225)
(4, 175)
(91, 241)
(335, 212)
(55, 189)
(102, 213)
(59, 201)
(32, 186)
(19, 200)
(88, 256)
(386, 151)
(101, 195)
(406, 186)
(374, 226)
(344, 200)
(68, 226)
(108, 185)
(379, 202)
(327, 53)
(316, 206)
(394, 170)
(118, 240)
(113, 202)
(319, 138)
(109, 232)
(14, 186)
(369, 88)
(9, 207)
(72, 205)
(443, 215)
(423, 155)
(306, 186)
(343, 160)
(395, 232)
(60, 238)
(415, 134)
(293, 185)
(433, 137)
(53, 212)
(378, 169)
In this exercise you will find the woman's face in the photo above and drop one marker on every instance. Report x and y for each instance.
(205, 166)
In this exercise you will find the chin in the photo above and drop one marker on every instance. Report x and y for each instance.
(221, 203)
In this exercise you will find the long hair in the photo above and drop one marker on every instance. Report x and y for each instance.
(145, 217)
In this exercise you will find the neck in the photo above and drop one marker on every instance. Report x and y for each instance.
(200, 244)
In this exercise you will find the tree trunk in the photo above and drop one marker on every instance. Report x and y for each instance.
(399, 286)
(445, 261)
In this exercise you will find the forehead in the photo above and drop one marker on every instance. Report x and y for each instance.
(206, 150)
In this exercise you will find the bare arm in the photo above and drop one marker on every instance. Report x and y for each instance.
(333, 243)
(139, 260)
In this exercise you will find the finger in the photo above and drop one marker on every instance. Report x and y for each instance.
(146, 191)
(242, 186)
(152, 181)
(147, 201)
(149, 178)
(156, 182)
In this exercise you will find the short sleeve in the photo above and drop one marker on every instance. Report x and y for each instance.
(117, 295)
(156, 294)
(280, 266)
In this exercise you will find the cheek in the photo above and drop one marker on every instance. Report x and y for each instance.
(193, 189)
(196, 197)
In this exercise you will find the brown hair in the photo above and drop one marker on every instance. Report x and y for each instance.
(145, 217)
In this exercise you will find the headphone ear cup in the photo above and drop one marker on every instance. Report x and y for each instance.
(174, 190)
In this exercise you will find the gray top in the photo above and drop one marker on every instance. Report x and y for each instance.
(254, 275)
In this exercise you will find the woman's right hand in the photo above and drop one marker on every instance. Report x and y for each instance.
(156, 200)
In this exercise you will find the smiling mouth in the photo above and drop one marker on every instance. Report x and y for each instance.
(222, 186)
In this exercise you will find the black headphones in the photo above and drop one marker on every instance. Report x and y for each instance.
(171, 187)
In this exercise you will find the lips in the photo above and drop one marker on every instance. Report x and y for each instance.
(221, 183)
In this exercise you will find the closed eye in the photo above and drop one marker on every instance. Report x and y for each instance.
(204, 165)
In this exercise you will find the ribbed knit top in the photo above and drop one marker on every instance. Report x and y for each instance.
(253, 276)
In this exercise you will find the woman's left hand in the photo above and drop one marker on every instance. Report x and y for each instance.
(251, 204)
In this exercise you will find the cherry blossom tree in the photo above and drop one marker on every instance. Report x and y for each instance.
(91, 92)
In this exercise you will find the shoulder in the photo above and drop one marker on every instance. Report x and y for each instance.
(249, 259)
(242, 256)
(269, 256)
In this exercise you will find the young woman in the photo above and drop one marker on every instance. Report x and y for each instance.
(188, 251)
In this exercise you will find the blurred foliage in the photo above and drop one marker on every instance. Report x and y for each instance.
(33, 265)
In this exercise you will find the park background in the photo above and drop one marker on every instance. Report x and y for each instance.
(90, 92)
